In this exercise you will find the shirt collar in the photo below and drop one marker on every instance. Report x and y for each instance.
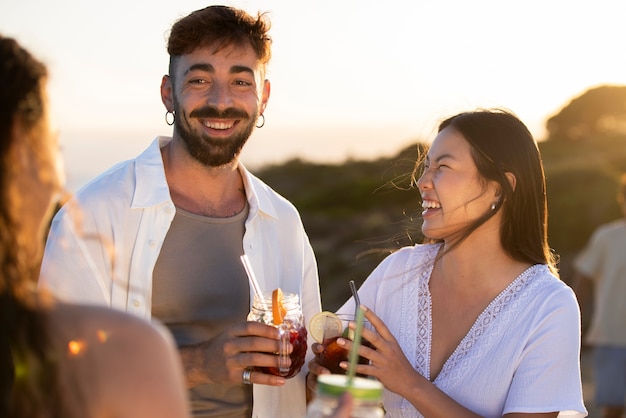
(259, 194)
(151, 187)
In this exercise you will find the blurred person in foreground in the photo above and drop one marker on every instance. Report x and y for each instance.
(475, 321)
(162, 235)
(600, 270)
(57, 359)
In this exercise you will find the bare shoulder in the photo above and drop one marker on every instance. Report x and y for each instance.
(108, 330)
(126, 362)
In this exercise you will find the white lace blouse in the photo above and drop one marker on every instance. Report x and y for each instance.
(521, 355)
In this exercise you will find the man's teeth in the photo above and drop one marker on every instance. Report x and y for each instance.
(219, 125)
(429, 204)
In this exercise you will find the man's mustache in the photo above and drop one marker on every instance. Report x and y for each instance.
(214, 113)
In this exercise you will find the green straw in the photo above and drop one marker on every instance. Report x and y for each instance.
(356, 343)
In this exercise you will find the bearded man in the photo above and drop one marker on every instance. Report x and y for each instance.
(161, 236)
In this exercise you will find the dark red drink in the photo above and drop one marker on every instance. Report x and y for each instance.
(334, 354)
(291, 330)
(297, 338)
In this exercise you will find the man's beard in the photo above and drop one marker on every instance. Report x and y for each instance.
(209, 151)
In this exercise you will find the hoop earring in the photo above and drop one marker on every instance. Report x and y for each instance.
(173, 117)
(263, 121)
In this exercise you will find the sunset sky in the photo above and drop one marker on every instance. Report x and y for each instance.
(350, 78)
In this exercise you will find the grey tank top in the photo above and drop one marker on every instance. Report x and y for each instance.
(199, 288)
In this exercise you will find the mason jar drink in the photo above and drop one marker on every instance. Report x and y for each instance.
(291, 329)
(333, 353)
(366, 395)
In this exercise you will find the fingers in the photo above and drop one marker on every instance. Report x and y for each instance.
(316, 369)
(261, 365)
(258, 329)
(260, 378)
(364, 351)
(376, 322)
(255, 337)
(258, 360)
(247, 345)
(256, 345)
(378, 325)
(317, 348)
(262, 355)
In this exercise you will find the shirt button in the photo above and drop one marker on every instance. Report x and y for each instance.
(136, 303)
(152, 243)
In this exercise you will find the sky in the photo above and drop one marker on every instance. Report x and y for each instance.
(354, 79)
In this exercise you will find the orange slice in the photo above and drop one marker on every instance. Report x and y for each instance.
(278, 306)
(325, 324)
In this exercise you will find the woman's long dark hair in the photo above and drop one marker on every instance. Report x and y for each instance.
(501, 144)
(28, 372)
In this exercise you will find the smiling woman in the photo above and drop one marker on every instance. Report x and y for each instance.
(450, 167)
(501, 173)
(475, 322)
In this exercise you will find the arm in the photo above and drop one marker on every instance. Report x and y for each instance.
(121, 366)
(391, 367)
(582, 285)
(145, 377)
(367, 294)
(586, 265)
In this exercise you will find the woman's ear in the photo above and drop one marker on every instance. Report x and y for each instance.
(512, 179)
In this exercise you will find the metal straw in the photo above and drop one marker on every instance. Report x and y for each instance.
(355, 295)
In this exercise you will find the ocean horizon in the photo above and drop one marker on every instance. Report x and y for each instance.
(89, 153)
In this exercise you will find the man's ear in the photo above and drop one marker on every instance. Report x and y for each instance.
(265, 95)
(167, 93)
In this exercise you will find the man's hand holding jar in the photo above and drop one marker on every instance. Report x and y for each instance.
(256, 351)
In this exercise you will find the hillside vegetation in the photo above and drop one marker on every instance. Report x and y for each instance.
(358, 212)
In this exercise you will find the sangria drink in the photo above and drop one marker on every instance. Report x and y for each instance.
(366, 396)
(283, 312)
(297, 337)
(333, 353)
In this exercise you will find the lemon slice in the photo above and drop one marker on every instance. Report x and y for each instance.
(325, 324)
(278, 306)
